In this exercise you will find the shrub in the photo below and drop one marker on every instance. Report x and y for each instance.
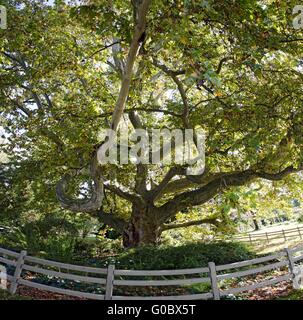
(50, 236)
(191, 255)
(300, 218)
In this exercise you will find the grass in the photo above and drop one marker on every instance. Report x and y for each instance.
(294, 295)
(277, 244)
(5, 295)
(266, 249)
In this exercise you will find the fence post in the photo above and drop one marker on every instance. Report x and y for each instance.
(250, 240)
(300, 233)
(284, 235)
(291, 263)
(214, 281)
(18, 271)
(110, 282)
(267, 237)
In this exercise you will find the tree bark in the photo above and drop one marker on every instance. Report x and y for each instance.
(143, 228)
(256, 225)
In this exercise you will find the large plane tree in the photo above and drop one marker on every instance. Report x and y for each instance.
(231, 68)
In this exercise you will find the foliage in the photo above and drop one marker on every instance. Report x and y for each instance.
(53, 234)
(294, 295)
(191, 255)
(5, 295)
(231, 68)
(93, 251)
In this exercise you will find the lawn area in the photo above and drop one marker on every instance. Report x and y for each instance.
(4, 295)
(294, 295)
(278, 227)
(277, 244)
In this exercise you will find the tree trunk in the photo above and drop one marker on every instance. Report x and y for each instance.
(143, 228)
(256, 224)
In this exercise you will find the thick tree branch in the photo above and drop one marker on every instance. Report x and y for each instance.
(212, 221)
(133, 52)
(142, 170)
(157, 191)
(127, 195)
(148, 110)
(221, 63)
(223, 182)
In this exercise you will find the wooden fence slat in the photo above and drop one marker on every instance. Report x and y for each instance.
(298, 258)
(67, 292)
(65, 265)
(202, 296)
(296, 249)
(119, 272)
(250, 239)
(18, 271)
(256, 286)
(9, 262)
(9, 253)
(250, 262)
(64, 275)
(253, 271)
(150, 283)
(262, 236)
(110, 282)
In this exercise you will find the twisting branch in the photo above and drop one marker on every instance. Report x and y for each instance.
(82, 205)
(95, 202)
(133, 52)
(223, 182)
(280, 175)
(136, 43)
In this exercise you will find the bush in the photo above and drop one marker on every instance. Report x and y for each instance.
(101, 252)
(51, 237)
(90, 251)
(300, 218)
(191, 255)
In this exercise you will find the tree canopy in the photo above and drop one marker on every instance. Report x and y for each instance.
(231, 68)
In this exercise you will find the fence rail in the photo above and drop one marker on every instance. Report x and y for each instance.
(271, 236)
(108, 279)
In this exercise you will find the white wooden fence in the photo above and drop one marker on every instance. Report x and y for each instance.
(270, 237)
(111, 278)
